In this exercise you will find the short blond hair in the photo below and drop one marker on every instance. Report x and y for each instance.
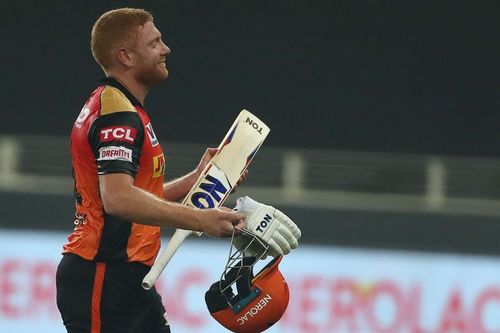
(115, 27)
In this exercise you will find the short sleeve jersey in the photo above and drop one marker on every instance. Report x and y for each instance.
(113, 134)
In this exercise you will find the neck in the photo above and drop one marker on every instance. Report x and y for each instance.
(136, 88)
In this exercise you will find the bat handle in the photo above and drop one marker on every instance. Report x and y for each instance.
(161, 262)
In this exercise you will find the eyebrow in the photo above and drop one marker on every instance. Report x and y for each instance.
(156, 39)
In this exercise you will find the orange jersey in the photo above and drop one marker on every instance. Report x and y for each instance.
(113, 134)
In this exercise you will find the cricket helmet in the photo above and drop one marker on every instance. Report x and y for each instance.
(245, 302)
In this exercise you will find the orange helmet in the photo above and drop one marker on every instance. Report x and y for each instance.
(257, 302)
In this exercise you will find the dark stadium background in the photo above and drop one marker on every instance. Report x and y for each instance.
(392, 76)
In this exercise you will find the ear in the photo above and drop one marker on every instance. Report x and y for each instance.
(125, 56)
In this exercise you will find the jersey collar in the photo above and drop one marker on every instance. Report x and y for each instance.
(110, 81)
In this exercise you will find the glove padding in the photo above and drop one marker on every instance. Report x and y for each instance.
(270, 225)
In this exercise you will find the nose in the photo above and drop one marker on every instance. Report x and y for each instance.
(167, 49)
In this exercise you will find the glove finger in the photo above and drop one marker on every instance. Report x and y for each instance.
(287, 234)
(285, 220)
(272, 252)
(282, 242)
(274, 247)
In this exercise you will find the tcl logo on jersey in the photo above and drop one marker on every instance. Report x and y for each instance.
(158, 166)
(151, 135)
(118, 133)
(115, 153)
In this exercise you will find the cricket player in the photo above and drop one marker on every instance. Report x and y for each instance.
(121, 200)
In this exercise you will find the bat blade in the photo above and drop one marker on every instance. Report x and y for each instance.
(219, 177)
(233, 156)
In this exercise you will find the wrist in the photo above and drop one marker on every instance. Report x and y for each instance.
(199, 221)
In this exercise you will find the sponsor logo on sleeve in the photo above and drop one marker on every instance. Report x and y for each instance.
(118, 133)
(151, 135)
(115, 153)
(158, 166)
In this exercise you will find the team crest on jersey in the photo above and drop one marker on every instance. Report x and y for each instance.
(151, 135)
(82, 116)
(158, 166)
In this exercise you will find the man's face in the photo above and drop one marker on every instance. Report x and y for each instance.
(150, 54)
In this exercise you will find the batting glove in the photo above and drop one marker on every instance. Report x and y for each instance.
(270, 225)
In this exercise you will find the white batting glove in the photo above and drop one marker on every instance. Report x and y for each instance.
(270, 225)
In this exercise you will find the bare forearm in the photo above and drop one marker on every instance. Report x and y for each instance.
(177, 189)
(121, 198)
(137, 205)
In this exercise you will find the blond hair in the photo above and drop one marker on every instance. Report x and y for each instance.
(113, 28)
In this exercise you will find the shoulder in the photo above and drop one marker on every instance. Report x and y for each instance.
(113, 101)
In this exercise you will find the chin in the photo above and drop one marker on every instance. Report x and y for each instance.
(162, 75)
(155, 78)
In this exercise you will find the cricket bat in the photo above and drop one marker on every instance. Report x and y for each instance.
(219, 177)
